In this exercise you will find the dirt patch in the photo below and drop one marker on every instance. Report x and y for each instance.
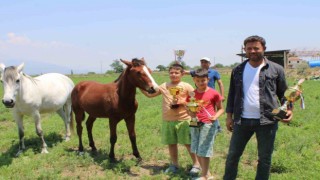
(5, 124)
(85, 172)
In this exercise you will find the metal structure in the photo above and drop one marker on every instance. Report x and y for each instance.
(312, 56)
(178, 55)
(278, 56)
(281, 56)
(305, 53)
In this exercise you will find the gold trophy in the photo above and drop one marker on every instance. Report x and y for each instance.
(194, 107)
(174, 91)
(291, 95)
(178, 54)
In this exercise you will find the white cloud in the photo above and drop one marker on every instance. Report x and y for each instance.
(23, 48)
(13, 39)
(17, 40)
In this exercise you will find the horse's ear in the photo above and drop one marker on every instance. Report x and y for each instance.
(2, 67)
(144, 62)
(20, 67)
(128, 63)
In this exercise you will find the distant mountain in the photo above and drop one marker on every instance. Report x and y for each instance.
(36, 68)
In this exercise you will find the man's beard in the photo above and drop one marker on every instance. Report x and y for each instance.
(256, 57)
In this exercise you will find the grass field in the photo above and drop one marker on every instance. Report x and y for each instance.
(296, 155)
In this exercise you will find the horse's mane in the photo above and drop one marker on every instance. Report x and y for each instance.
(135, 63)
(29, 77)
(119, 77)
(138, 62)
(10, 72)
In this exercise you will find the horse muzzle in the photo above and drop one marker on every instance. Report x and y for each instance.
(151, 90)
(8, 103)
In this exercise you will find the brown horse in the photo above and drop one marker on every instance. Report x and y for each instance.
(115, 101)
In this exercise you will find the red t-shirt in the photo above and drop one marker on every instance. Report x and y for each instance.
(207, 102)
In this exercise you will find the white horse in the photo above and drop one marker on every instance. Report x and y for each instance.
(33, 96)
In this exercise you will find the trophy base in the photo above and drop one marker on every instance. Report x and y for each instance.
(279, 114)
(174, 106)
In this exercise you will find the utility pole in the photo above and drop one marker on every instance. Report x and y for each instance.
(242, 54)
(100, 67)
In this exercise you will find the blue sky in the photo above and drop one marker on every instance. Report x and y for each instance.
(89, 35)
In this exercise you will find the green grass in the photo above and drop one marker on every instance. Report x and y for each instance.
(296, 155)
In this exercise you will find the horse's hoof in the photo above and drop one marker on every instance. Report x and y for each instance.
(67, 138)
(44, 151)
(139, 161)
(137, 155)
(81, 153)
(94, 152)
(113, 160)
(19, 152)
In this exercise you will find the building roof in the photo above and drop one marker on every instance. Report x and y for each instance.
(278, 56)
(277, 53)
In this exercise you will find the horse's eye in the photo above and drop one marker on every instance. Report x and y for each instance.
(18, 80)
(139, 73)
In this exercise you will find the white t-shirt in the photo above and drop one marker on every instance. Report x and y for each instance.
(251, 106)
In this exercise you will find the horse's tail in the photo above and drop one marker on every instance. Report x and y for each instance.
(75, 106)
(71, 121)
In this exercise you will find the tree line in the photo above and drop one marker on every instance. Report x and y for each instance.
(117, 66)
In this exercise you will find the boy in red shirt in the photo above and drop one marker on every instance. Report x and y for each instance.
(202, 138)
